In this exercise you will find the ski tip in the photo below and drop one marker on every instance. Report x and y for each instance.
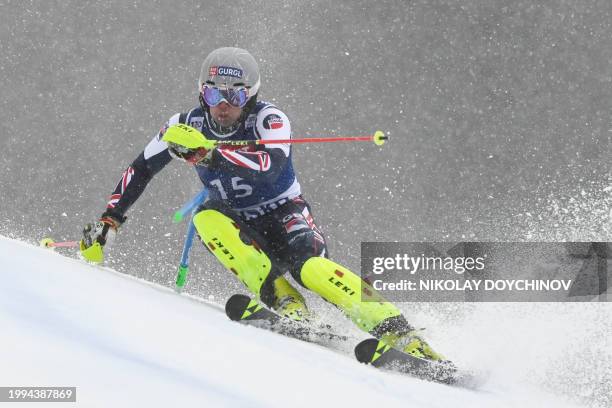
(365, 350)
(378, 354)
(236, 305)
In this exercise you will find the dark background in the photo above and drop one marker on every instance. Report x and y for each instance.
(498, 113)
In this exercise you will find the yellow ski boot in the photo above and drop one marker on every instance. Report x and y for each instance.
(289, 302)
(412, 343)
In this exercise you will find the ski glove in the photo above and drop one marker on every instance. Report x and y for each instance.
(198, 157)
(95, 236)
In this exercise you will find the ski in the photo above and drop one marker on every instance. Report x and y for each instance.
(243, 309)
(378, 354)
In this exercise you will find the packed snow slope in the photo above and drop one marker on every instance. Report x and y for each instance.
(127, 343)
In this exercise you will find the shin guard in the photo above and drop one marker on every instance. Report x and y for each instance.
(355, 297)
(233, 248)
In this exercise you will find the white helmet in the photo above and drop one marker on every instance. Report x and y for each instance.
(230, 67)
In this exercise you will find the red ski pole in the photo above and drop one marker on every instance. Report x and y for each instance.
(378, 138)
(49, 243)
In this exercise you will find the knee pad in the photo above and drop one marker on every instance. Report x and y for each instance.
(234, 248)
(303, 247)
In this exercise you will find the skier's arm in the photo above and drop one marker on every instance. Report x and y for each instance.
(264, 161)
(136, 177)
(131, 185)
(133, 182)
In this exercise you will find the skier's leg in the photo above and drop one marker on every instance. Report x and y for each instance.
(288, 301)
(244, 251)
(364, 306)
(306, 250)
(344, 289)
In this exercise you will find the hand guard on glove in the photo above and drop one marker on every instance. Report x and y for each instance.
(95, 236)
(198, 157)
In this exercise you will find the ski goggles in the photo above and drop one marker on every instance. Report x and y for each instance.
(236, 97)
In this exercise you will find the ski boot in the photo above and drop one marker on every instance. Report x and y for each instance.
(412, 343)
(289, 302)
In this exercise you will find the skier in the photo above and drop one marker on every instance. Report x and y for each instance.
(255, 221)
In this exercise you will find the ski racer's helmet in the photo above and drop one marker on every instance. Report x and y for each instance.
(229, 74)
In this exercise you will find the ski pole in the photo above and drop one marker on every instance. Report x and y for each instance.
(378, 138)
(49, 243)
(192, 138)
(183, 269)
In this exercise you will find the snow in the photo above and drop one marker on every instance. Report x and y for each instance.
(126, 342)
